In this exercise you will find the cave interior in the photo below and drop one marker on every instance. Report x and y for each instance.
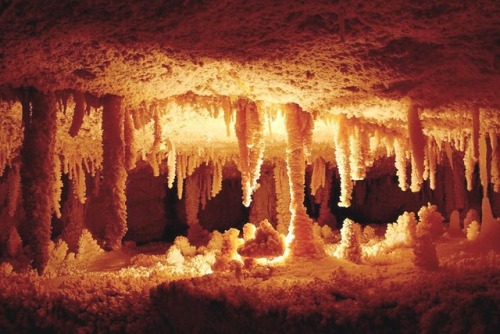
(250, 166)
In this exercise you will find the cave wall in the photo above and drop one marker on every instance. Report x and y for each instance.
(155, 213)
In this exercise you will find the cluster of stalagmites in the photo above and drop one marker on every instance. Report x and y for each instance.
(66, 133)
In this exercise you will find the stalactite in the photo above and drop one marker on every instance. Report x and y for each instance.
(114, 172)
(171, 164)
(357, 154)
(228, 113)
(318, 175)
(483, 164)
(325, 215)
(192, 163)
(217, 178)
(303, 244)
(282, 188)
(495, 162)
(341, 139)
(91, 101)
(425, 176)
(475, 132)
(449, 153)
(58, 185)
(366, 159)
(249, 128)
(129, 135)
(205, 185)
(416, 178)
(14, 188)
(417, 141)
(63, 96)
(78, 114)
(447, 187)
(37, 172)
(400, 162)
(152, 156)
(469, 163)
(307, 121)
(431, 153)
(181, 173)
(458, 183)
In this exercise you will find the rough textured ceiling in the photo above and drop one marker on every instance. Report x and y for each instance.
(321, 54)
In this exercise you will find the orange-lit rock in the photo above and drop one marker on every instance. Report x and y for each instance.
(214, 148)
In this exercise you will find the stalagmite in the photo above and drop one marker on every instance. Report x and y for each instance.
(282, 187)
(264, 204)
(495, 162)
(79, 182)
(114, 172)
(341, 139)
(349, 248)
(249, 128)
(400, 162)
(196, 233)
(14, 183)
(267, 243)
(490, 228)
(425, 251)
(472, 230)
(417, 142)
(454, 229)
(298, 125)
(14, 244)
(448, 188)
(37, 171)
(72, 219)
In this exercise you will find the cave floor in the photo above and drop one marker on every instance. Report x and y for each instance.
(135, 290)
